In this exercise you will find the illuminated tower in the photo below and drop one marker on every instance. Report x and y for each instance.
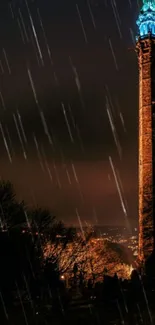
(146, 58)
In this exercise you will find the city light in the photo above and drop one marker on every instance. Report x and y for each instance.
(62, 277)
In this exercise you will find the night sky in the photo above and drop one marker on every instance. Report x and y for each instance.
(69, 107)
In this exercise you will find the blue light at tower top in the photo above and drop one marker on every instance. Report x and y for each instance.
(146, 19)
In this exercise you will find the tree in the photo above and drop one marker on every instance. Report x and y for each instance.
(12, 212)
(92, 257)
(20, 249)
(40, 220)
(67, 249)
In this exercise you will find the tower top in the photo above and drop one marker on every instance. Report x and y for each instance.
(148, 4)
(146, 19)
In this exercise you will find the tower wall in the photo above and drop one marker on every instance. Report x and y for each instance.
(145, 49)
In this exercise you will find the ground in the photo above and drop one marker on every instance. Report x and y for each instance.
(78, 314)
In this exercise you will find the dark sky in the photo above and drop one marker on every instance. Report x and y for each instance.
(69, 106)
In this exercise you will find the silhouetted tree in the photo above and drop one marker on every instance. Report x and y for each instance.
(12, 212)
(40, 220)
(23, 234)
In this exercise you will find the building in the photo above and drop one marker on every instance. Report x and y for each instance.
(145, 45)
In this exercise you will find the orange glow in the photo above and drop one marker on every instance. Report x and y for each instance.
(144, 50)
(91, 258)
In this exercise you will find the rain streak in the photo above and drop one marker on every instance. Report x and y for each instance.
(68, 96)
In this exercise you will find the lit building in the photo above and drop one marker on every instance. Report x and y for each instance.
(145, 45)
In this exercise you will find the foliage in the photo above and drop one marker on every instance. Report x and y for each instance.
(34, 247)
(11, 211)
(92, 257)
(23, 234)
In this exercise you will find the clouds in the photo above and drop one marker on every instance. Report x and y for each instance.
(92, 188)
(83, 77)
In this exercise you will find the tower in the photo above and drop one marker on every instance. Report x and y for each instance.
(145, 46)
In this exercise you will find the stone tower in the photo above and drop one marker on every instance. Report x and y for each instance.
(145, 45)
